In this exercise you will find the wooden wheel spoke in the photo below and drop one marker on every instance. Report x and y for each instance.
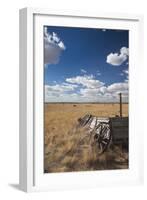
(104, 142)
(100, 148)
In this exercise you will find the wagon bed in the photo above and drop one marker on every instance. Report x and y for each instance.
(119, 130)
(106, 131)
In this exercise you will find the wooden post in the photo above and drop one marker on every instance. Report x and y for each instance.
(120, 103)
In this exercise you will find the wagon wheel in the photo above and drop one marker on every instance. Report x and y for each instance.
(103, 139)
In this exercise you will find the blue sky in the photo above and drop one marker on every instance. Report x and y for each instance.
(85, 64)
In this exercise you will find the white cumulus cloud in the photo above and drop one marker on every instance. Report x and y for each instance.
(53, 47)
(64, 87)
(116, 88)
(98, 73)
(83, 71)
(117, 59)
(56, 91)
(87, 81)
(124, 51)
(126, 72)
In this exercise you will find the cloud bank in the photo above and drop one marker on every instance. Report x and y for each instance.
(53, 47)
(85, 88)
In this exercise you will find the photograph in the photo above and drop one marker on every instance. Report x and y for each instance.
(86, 99)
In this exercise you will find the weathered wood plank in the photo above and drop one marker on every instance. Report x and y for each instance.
(119, 128)
(120, 136)
(120, 124)
(118, 119)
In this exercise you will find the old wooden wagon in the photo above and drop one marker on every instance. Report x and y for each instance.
(106, 131)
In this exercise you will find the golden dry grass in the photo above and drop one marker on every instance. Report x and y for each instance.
(67, 149)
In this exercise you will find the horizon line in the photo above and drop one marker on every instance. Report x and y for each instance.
(87, 102)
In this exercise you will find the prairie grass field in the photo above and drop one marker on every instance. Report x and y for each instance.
(64, 148)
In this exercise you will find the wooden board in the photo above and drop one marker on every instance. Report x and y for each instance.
(119, 127)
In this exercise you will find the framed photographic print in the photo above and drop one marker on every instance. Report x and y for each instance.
(79, 108)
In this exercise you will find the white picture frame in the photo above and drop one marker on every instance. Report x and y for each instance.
(31, 175)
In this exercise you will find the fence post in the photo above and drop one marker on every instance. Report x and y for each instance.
(120, 103)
